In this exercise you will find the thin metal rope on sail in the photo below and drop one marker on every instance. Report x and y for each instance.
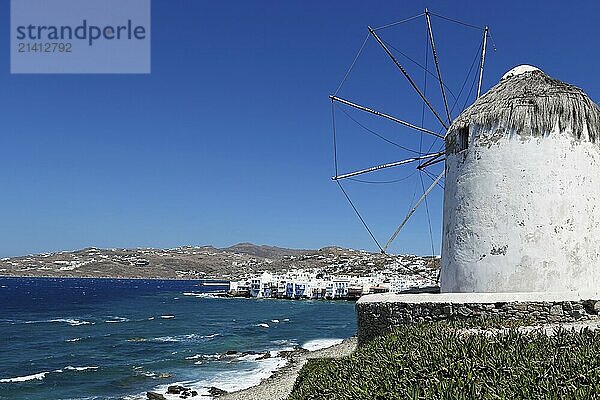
(412, 211)
(360, 217)
(428, 217)
(384, 182)
(352, 65)
(457, 21)
(380, 136)
(410, 80)
(418, 64)
(467, 77)
(399, 22)
(380, 114)
(432, 177)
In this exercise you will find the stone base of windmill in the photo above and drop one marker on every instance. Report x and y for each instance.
(378, 314)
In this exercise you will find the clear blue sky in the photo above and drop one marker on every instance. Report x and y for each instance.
(229, 138)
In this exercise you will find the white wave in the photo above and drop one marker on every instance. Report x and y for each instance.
(167, 316)
(250, 373)
(71, 368)
(205, 295)
(248, 357)
(77, 339)
(204, 356)
(203, 393)
(275, 321)
(137, 339)
(286, 343)
(165, 339)
(262, 325)
(193, 294)
(319, 344)
(116, 320)
(210, 336)
(286, 320)
(70, 321)
(279, 350)
(192, 337)
(242, 379)
(38, 376)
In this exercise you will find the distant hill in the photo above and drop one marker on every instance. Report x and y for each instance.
(264, 251)
(207, 262)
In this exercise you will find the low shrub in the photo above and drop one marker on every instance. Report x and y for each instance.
(439, 361)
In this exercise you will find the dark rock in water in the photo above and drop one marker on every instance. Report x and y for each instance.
(155, 396)
(182, 391)
(175, 389)
(215, 391)
(230, 352)
(264, 356)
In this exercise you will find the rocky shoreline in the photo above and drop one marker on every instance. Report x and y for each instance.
(278, 386)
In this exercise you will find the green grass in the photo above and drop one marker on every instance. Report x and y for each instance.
(435, 361)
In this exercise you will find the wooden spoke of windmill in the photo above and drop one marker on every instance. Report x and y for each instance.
(426, 160)
(383, 115)
(387, 165)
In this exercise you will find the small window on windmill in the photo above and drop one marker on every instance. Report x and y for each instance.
(462, 139)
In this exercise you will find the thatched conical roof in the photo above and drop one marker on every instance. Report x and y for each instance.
(527, 102)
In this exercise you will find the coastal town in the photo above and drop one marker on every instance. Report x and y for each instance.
(404, 274)
(248, 270)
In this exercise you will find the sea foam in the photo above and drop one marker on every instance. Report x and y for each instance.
(71, 321)
(71, 368)
(39, 376)
(252, 374)
(319, 344)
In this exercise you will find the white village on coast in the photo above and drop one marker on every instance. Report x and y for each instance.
(316, 284)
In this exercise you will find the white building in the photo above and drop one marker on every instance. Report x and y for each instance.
(340, 287)
(522, 190)
(261, 286)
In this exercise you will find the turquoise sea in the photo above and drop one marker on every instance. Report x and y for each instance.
(118, 338)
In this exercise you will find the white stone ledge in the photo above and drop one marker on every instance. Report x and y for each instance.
(477, 297)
